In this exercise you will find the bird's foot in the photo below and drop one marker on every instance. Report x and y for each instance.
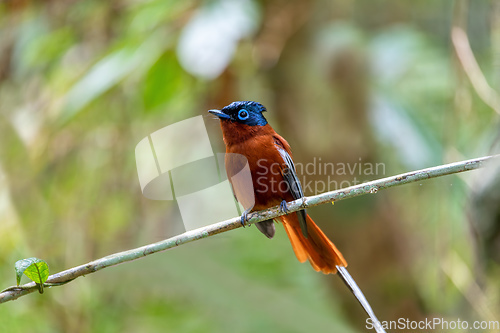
(283, 207)
(244, 217)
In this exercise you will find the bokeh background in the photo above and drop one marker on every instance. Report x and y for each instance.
(372, 81)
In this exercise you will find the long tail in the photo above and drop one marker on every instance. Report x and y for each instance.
(321, 252)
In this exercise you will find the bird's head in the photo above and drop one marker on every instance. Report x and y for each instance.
(246, 113)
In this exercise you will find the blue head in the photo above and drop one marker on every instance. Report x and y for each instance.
(245, 112)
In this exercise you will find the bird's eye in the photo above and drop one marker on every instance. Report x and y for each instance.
(243, 114)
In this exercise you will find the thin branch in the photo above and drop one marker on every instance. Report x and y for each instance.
(372, 187)
(472, 69)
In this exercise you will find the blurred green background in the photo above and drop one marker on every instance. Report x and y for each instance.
(373, 81)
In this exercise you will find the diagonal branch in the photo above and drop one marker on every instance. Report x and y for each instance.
(372, 187)
(471, 68)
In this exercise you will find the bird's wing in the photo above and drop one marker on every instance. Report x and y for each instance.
(290, 175)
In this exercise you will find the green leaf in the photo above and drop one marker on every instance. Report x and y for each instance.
(35, 269)
(109, 71)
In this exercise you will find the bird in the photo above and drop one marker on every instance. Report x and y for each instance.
(247, 133)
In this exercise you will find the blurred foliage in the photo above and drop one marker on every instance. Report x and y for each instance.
(82, 82)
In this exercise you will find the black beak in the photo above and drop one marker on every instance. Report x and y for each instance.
(219, 114)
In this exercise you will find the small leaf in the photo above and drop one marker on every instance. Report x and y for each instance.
(35, 269)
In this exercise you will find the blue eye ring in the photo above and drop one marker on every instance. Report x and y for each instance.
(243, 114)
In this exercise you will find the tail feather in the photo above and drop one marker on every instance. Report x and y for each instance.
(321, 252)
(298, 248)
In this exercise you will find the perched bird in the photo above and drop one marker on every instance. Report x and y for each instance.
(246, 132)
